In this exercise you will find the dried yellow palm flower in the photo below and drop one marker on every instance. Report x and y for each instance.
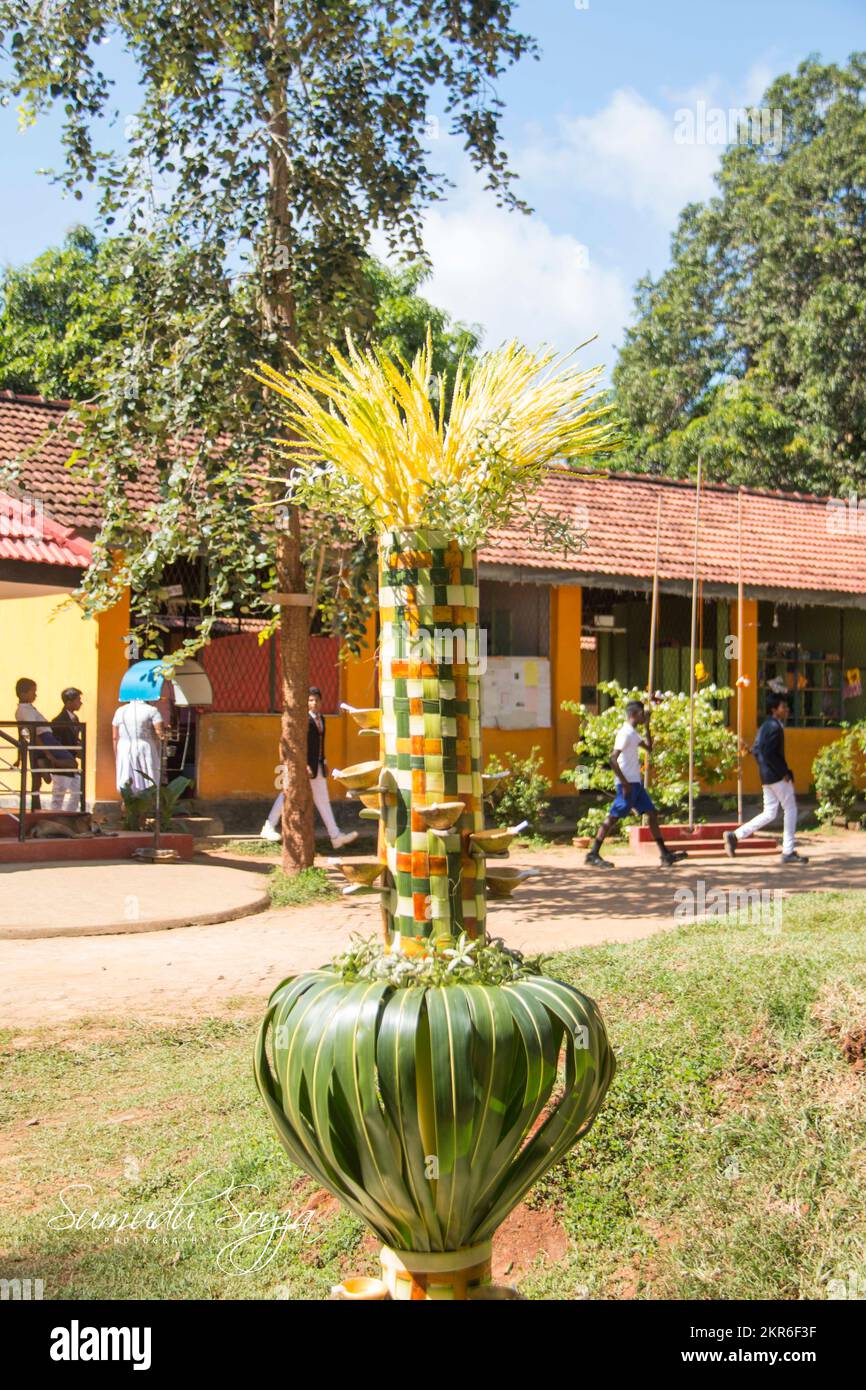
(370, 421)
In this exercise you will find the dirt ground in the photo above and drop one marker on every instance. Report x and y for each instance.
(169, 975)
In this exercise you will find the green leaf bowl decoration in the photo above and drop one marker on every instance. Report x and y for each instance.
(430, 1109)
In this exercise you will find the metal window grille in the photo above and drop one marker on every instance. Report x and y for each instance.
(816, 655)
(244, 672)
(516, 618)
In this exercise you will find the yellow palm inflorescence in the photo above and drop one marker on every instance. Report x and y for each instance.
(373, 419)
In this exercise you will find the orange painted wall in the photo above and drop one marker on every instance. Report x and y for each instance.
(112, 628)
(566, 677)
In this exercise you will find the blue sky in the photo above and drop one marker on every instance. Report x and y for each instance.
(591, 130)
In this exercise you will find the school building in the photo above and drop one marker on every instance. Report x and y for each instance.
(556, 626)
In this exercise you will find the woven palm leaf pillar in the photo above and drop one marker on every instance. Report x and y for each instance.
(431, 738)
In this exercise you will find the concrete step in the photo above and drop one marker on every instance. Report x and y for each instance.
(748, 849)
(89, 847)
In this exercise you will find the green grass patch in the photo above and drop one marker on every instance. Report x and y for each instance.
(728, 1161)
(255, 849)
(293, 890)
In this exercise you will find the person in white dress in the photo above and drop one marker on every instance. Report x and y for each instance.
(137, 731)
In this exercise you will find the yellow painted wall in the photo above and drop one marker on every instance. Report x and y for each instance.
(49, 640)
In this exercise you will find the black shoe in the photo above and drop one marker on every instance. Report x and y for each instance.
(795, 858)
(595, 861)
(670, 857)
(730, 843)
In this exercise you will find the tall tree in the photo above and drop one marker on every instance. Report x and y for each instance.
(751, 348)
(58, 314)
(272, 138)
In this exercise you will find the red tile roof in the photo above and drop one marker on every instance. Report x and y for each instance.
(35, 446)
(790, 540)
(27, 533)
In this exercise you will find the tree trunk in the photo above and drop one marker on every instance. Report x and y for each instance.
(278, 305)
(298, 842)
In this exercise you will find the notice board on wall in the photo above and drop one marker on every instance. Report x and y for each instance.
(515, 693)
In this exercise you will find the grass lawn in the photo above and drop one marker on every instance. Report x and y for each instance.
(728, 1162)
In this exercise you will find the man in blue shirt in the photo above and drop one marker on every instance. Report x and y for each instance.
(777, 781)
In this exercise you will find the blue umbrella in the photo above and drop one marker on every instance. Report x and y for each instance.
(143, 681)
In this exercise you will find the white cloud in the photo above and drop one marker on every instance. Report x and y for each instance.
(626, 152)
(519, 279)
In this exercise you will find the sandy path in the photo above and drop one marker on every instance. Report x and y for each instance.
(177, 974)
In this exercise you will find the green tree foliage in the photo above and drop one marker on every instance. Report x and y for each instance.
(61, 312)
(751, 348)
(272, 138)
(524, 794)
(57, 316)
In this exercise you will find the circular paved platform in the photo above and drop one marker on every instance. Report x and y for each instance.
(100, 899)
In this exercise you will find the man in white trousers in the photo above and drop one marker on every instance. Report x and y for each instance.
(777, 781)
(66, 786)
(317, 769)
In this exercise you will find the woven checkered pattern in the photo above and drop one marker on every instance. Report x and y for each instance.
(431, 736)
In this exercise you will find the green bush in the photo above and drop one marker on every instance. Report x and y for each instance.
(139, 806)
(715, 747)
(835, 772)
(525, 795)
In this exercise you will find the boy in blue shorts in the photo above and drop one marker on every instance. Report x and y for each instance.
(631, 794)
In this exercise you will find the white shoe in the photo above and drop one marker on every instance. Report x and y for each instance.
(268, 832)
(347, 839)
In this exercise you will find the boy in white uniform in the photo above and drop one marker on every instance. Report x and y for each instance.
(37, 731)
(317, 770)
(631, 794)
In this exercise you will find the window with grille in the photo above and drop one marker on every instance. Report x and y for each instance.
(516, 618)
(244, 672)
(814, 656)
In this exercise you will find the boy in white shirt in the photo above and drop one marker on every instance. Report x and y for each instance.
(36, 728)
(631, 794)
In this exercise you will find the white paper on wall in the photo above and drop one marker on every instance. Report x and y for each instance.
(515, 693)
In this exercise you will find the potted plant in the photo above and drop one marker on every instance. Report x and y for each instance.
(429, 1079)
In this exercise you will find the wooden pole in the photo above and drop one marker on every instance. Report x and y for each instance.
(740, 613)
(654, 617)
(692, 651)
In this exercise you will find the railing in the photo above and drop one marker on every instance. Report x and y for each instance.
(32, 758)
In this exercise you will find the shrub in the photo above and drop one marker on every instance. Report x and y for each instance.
(835, 771)
(522, 796)
(139, 806)
(715, 746)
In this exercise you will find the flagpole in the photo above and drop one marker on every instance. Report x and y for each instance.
(654, 617)
(692, 651)
(740, 611)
